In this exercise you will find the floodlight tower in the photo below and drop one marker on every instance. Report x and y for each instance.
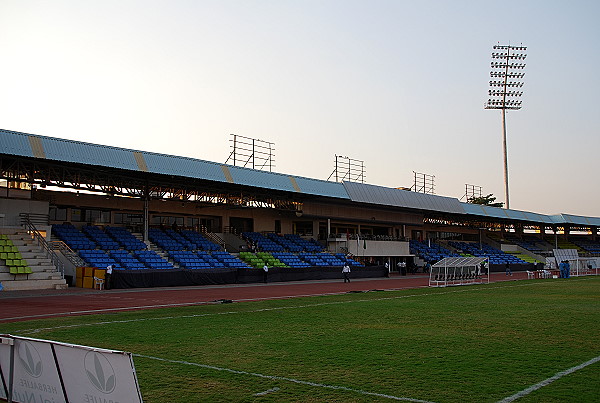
(506, 79)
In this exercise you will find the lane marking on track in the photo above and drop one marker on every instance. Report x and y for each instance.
(174, 305)
(108, 322)
(285, 379)
(548, 381)
(183, 304)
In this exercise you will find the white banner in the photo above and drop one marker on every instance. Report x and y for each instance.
(4, 351)
(96, 375)
(35, 377)
(88, 374)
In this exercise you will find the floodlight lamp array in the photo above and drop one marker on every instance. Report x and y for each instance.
(499, 93)
(507, 56)
(501, 74)
(507, 74)
(500, 104)
(497, 65)
(515, 84)
(509, 47)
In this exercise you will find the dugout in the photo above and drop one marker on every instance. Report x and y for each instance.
(459, 271)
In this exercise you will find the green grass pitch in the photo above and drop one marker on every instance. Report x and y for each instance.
(479, 343)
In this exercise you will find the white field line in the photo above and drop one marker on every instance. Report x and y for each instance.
(548, 381)
(282, 378)
(266, 392)
(108, 322)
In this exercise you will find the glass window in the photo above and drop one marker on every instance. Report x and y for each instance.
(303, 227)
(58, 214)
(97, 216)
(77, 214)
(166, 220)
(126, 218)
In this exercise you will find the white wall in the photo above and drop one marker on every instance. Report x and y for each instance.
(378, 248)
(11, 208)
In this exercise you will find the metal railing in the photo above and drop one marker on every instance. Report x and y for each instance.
(67, 252)
(34, 218)
(215, 239)
(41, 241)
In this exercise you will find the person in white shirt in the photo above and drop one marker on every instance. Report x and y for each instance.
(107, 276)
(265, 273)
(346, 272)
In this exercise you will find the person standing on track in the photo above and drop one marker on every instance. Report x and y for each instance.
(265, 273)
(508, 270)
(107, 276)
(346, 272)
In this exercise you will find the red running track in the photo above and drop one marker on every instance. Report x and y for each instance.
(25, 305)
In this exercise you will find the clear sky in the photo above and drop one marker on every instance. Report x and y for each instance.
(398, 84)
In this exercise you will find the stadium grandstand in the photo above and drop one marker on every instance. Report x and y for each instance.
(163, 220)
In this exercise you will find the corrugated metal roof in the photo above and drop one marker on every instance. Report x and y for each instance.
(288, 183)
(473, 209)
(91, 154)
(580, 220)
(34, 146)
(500, 213)
(181, 166)
(22, 144)
(14, 143)
(535, 217)
(322, 188)
(269, 180)
(360, 192)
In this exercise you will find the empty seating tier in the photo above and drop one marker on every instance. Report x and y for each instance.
(171, 240)
(495, 256)
(11, 257)
(125, 238)
(272, 242)
(74, 238)
(259, 259)
(430, 252)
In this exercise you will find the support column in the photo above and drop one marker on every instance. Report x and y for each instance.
(146, 214)
(315, 226)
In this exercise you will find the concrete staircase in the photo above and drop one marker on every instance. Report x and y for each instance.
(44, 274)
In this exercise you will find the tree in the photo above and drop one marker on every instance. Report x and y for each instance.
(486, 201)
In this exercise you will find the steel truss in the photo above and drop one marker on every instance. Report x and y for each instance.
(115, 182)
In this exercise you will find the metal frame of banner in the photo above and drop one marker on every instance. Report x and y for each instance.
(7, 375)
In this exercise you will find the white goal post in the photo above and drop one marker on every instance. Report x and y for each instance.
(580, 266)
